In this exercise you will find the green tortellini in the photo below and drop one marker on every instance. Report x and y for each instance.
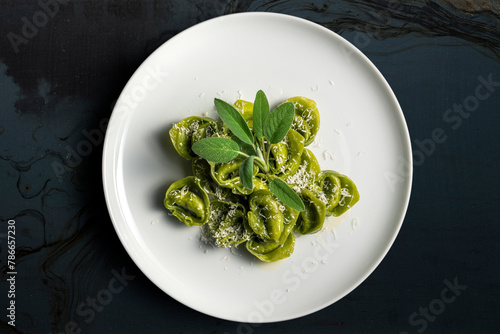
(286, 155)
(306, 120)
(188, 201)
(202, 170)
(260, 182)
(185, 133)
(229, 213)
(246, 109)
(312, 218)
(348, 196)
(228, 223)
(265, 216)
(306, 174)
(329, 190)
(271, 252)
(227, 175)
(274, 222)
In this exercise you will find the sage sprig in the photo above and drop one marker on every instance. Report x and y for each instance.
(246, 172)
(217, 149)
(260, 113)
(234, 121)
(281, 189)
(269, 127)
(278, 122)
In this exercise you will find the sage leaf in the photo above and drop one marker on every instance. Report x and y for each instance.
(246, 172)
(260, 113)
(278, 122)
(216, 149)
(286, 194)
(234, 121)
(244, 147)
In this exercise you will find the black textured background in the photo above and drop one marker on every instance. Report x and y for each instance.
(60, 79)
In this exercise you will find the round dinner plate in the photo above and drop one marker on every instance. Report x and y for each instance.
(363, 134)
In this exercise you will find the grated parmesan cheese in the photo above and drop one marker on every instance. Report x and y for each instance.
(327, 155)
(206, 236)
(322, 197)
(184, 190)
(344, 193)
(281, 207)
(193, 127)
(218, 193)
(317, 143)
(354, 223)
(301, 179)
(220, 234)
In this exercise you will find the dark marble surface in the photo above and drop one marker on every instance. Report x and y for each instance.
(60, 78)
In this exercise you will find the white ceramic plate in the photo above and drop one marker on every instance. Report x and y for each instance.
(363, 134)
